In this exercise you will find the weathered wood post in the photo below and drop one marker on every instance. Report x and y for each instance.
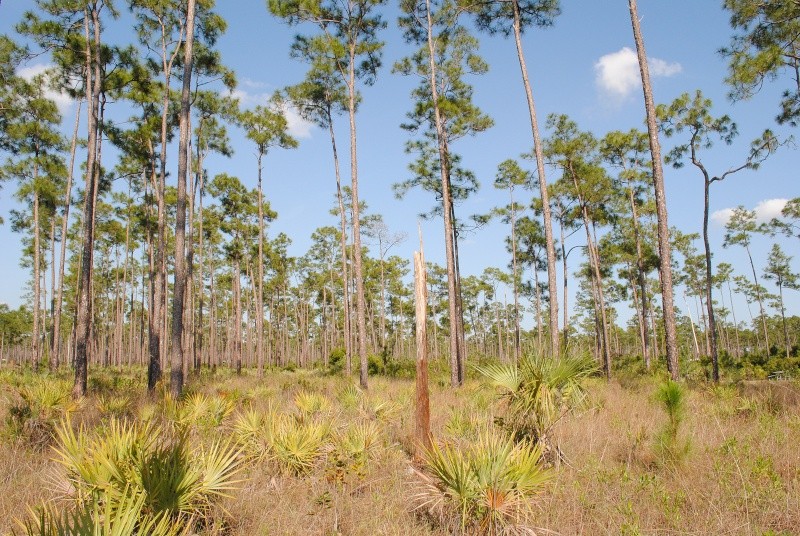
(423, 413)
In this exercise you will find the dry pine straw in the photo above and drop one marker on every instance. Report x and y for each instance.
(741, 474)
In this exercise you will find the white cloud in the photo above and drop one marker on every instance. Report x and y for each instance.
(721, 217)
(765, 211)
(296, 125)
(617, 73)
(768, 209)
(662, 68)
(62, 100)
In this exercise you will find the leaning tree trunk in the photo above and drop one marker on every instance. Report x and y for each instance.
(348, 350)
(552, 283)
(665, 253)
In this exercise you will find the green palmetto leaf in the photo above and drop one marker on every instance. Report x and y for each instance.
(296, 446)
(177, 480)
(107, 517)
(540, 390)
(485, 484)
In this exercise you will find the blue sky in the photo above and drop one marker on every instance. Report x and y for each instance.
(584, 67)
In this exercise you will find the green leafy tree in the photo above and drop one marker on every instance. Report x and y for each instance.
(575, 153)
(510, 176)
(39, 170)
(443, 112)
(514, 17)
(349, 40)
(629, 153)
(267, 128)
(765, 46)
(691, 114)
(779, 270)
(738, 232)
(318, 98)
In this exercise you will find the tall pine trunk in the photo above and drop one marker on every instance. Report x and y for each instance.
(552, 283)
(664, 247)
(83, 324)
(178, 300)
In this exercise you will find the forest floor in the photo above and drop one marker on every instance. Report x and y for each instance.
(737, 471)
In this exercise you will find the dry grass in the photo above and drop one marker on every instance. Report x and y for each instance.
(741, 474)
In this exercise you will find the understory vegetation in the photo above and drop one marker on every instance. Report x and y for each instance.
(307, 452)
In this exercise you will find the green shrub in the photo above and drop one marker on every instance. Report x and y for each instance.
(672, 397)
(337, 360)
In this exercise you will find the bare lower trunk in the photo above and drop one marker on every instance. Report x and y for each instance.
(712, 321)
(422, 413)
(178, 296)
(664, 248)
(552, 283)
(84, 313)
(357, 261)
(456, 362)
(56, 350)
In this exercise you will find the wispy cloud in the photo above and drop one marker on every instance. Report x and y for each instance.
(765, 211)
(62, 100)
(296, 125)
(617, 73)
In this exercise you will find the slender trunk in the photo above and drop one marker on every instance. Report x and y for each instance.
(712, 321)
(552, 283)
(260, 284)
(346, 305)
(594, 261)
(56, 349)
(178, 298)
(760, 301)
(783, 318)
(516, 277)
(37, 264)
(694, 332)
(642, 280)
(237, 317)
(357, 261)
(664, 248)
(456, 370)
(537, 294)
(566, 279)
(735, 323)
(84, 314)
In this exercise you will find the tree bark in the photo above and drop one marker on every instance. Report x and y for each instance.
(664, 247)
(84, 313)
(423, 412)
(552, 283)
(56, 347)
(178, 299)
